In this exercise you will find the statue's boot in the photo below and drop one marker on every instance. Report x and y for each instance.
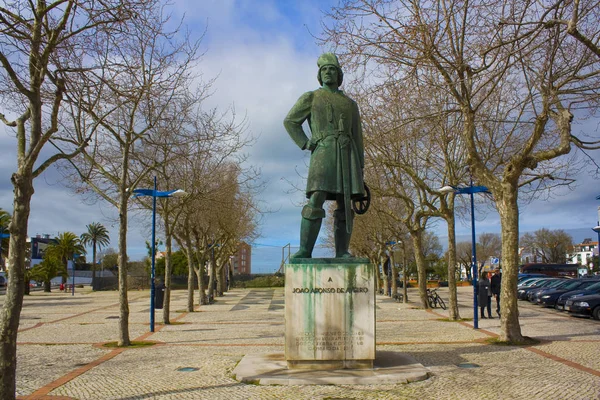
(310, 226)
(341, 236)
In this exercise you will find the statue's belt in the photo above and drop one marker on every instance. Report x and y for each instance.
(327, 134)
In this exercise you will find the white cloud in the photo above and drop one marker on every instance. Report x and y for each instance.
(265, 58)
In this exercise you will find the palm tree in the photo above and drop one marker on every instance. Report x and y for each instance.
(64, 247)
(49, 268)
(97, 236)
(4, 221)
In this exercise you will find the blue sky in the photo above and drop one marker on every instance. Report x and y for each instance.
(264, 57)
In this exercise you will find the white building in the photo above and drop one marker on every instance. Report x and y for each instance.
(583, 253)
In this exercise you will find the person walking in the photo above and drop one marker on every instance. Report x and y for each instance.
(496, 282)
(484, 297)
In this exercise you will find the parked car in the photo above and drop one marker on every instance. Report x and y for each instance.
(532, 295)
(2, 281)
(524, 291)
(548, 298)
(562, 299)
(522, 277)
(585, 306)
(531, 282)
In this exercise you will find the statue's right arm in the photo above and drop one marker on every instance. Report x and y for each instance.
(296, 117)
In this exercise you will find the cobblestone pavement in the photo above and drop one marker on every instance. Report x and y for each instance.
(60, 357)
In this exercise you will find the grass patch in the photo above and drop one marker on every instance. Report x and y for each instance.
(527, 341)
(134, 344)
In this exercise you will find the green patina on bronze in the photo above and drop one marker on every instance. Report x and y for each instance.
(337, 156)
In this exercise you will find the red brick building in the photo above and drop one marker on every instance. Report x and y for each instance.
(241, 263)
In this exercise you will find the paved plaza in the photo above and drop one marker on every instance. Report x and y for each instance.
(60, 354)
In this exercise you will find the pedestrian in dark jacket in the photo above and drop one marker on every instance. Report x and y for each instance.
(496, 281)
(484, 297)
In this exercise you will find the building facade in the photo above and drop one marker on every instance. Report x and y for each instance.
(583, 253)
(241, 261)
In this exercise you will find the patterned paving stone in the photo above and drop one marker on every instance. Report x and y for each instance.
(56, 345)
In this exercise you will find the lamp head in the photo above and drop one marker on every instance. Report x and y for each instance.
(446, 189)
(179, 193)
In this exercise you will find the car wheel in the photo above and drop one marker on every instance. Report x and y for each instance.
(596, 313)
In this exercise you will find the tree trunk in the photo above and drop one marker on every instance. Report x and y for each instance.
(385, 275)
(13, 301)
(93, 263)
(201, 288)
(468, 273)
(453, 299)
(417, 240)
(394, 274)
(47, 286)
(212, 278)
(404, 283)
(508, 208)
(123, 302)
(222, 288)
(168, 273)
(190, 283)
(404, 274)
(377, 273)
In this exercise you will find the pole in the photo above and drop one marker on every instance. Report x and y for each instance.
(73, 280)
(153, 269)
(2, 238)
(474, 251)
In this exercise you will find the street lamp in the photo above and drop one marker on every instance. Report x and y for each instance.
(470, 190)
(154, 194)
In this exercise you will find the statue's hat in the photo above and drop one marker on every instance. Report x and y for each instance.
(328, 59)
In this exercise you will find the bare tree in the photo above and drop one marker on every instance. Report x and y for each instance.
(146, 79)
(514, 93)
(488, 245)
(576, 17)
(37, 41)
(464, 257)
(548, 246)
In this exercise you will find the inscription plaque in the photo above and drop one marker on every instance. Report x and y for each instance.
(330, 315)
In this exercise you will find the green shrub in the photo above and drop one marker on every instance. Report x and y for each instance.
(261, 282)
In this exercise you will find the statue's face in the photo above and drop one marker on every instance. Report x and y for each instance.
(329, 75)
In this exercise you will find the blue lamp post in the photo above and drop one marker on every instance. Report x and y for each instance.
(154, 194)
(470, 190)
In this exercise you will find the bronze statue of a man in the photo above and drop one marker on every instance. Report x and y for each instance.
(337, 156)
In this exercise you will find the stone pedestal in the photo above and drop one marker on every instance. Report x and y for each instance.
(329, 313)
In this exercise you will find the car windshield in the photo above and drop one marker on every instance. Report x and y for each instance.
(528, 282)
(595, 286)
(547, 283)
(572, 285)
(562, 283)
(558, 283)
